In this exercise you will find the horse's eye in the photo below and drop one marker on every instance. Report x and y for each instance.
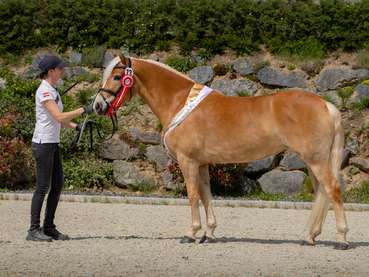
(116, 77)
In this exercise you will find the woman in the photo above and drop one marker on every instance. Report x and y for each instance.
(45, 146)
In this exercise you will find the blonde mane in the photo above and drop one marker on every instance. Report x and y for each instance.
(113, 63)
(167, 67)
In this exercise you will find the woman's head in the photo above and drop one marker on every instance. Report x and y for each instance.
(52, 68)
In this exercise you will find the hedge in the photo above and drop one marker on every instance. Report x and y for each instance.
(293, 27)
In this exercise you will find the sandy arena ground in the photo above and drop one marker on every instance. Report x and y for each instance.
(143, 240)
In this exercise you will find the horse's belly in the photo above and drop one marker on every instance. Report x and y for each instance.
(240, 150)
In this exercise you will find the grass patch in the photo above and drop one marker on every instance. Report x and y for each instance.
(182, 64)
(362, 58)
(260, 195)
(358, 195)
(144, 187)
(366, 82)
(260, 65)
(362, 104)
(243, 93)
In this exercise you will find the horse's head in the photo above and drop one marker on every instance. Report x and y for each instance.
(116, 83)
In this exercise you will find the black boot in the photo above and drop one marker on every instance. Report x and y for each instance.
(37, 235)
(55, 234)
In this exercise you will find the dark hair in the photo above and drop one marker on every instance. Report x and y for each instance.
(49, 62)
(43, 75)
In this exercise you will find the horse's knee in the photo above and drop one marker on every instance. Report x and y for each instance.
(212, 224)
(196, 226)
(334, 192)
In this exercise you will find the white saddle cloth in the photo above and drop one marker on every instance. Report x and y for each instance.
(194, 98)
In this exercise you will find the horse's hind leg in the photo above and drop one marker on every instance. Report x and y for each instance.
(326, 178)
(191, 174)
(205, 194)
(319, 211)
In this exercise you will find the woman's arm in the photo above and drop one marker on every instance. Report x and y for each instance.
(70, 125)
(62, 117)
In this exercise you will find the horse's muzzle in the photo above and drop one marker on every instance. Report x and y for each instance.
(100, 108)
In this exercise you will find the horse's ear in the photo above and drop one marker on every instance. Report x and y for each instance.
(122, 58)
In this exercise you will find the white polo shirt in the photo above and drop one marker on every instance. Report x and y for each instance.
(47, 129)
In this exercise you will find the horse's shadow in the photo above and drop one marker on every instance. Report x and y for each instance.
(226, 240)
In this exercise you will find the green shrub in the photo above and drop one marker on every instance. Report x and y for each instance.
(359, 194)
(93, 56)
(16, 164)
(143, 187)
(83, 97)
(182, 64)
(345, 93)
(362, 104)
(299, 27)
(309, 48)
(291, 67)
(82, 173)
(363, 58)
(18, 99)
(260, 65)
(243, 93)
(366, 82)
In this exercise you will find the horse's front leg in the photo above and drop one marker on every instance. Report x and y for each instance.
(206, 197)
(190, 171)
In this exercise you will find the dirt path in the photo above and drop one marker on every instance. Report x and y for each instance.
(142, 240)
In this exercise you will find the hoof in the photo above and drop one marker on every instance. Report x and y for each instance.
(341, 246)
(306, 242)
(206, 239)
(187, 239)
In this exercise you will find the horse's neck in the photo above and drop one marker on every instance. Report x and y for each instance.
(164, 90)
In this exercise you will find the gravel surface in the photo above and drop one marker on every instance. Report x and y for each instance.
(143, 240)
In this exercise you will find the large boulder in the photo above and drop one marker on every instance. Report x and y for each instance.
(126, 174)
(117, 149)
(144, 137)
(75, 58)
(278, 181)
(237, 87)
(202, 74)
(345, 158)
(276, 77)
(109, 55)
(170, 181)
(73, 72)
(361, 163)
(243, 67)
(333, 78)
(362, 74)
(157, 155)
(256, 168)
(352, 145)
(362, 91)
(292, 161)
(331, 96)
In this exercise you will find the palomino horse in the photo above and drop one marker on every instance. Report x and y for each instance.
(226, 129)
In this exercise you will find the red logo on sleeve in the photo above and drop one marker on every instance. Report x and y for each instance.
(46, 94)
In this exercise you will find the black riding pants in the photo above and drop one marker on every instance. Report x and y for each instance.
(49, 175)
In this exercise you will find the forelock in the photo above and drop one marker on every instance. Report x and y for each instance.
(109, 69)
